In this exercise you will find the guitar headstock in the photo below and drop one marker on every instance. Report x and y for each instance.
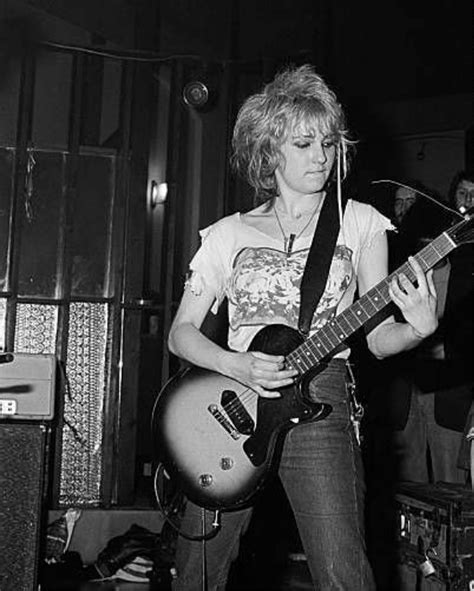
(463, 231)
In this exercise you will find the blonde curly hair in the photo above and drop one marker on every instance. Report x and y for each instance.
(297, 95)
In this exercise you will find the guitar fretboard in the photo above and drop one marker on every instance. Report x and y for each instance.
(326, 340)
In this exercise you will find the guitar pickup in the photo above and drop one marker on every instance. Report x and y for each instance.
(237, 412)
(216, 413)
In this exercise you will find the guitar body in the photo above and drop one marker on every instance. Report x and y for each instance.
(218, 438)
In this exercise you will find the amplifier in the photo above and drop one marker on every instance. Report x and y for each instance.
(27, 386)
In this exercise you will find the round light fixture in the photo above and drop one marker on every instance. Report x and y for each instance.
(195, 94)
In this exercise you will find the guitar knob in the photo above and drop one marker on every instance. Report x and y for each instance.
(227, 463)
(205, 480)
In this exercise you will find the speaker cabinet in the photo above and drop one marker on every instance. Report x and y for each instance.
(23, 448)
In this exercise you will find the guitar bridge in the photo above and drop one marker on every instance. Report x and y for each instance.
(216, 413)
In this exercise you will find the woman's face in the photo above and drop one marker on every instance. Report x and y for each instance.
(464, 196)
(307, 158)
(404, 200)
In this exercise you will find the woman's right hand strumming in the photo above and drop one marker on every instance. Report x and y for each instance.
(262, 372)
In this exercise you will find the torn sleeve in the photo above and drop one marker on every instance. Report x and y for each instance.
(376, 224)
(207, 267)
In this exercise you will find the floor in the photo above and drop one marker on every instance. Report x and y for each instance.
(261, 565)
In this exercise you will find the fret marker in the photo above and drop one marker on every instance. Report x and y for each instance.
(358, 312)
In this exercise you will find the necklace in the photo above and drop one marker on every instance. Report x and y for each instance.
(288, 241)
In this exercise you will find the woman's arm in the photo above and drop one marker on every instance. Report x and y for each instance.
(417, 304)
(261, 372)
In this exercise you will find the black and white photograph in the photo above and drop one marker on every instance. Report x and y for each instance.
(236, 295)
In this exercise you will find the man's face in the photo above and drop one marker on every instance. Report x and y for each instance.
(404, 200)
(464, 196)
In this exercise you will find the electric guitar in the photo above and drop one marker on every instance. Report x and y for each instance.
(220, 440)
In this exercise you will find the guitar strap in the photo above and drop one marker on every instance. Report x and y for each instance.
(319, 259)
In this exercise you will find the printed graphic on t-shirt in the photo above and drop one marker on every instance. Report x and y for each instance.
(265, 287)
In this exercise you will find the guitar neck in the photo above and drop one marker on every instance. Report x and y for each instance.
(326, 340)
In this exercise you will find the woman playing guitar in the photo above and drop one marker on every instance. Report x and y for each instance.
(290, 142)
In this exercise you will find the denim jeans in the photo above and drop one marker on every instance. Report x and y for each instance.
(322, 475)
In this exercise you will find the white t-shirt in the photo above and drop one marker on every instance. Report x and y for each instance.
(262, 283)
